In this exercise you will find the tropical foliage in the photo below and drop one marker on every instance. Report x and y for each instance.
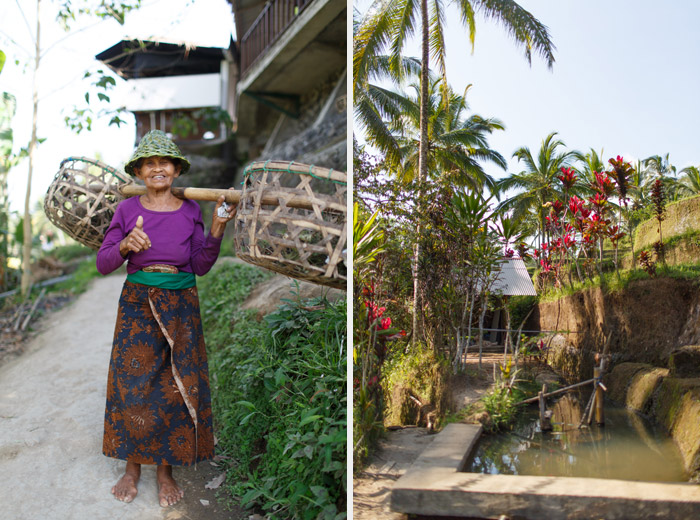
(279, 397)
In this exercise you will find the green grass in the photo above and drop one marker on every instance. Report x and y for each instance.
(71, 252)
(610, 283)
(82, 276)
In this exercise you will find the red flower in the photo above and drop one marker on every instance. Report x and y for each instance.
(575, 204)
(603, 184)
(567, 178)
(598, 201)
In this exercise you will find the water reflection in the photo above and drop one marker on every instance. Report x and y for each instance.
(627, 447)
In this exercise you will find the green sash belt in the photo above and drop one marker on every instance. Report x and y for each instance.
(181, 280)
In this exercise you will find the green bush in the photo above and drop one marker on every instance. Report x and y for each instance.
(500, 405)
(519, 308)
(71, 252)
(82, 276)
(279, 398)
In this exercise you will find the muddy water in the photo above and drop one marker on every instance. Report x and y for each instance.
(627, 447)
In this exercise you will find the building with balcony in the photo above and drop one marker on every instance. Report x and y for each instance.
(291, 90)
(279, 92)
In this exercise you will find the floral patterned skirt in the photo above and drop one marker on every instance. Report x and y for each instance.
(158, 400)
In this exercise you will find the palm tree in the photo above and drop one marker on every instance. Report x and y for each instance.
(661, 168)
(640, 185)
(457, 143)
(591, 162)
(690, 181)
(538, 182)
(390, 121)
(391, 23)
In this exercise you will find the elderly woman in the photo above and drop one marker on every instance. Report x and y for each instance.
(158, 401)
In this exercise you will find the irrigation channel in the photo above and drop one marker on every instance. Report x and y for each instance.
(627, 447)
(578, 458)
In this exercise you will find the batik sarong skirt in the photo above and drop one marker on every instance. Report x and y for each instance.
(158, 400)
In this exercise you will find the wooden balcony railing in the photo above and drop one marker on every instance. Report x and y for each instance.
(272, 21)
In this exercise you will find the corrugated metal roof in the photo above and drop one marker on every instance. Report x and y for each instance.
(514, 280)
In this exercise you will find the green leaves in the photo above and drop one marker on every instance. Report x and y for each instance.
(279, 397)
(68, 13)
(368, 238)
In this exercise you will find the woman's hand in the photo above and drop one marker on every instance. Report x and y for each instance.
(137, 240)
(218, 223)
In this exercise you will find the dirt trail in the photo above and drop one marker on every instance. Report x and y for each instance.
(51, 418)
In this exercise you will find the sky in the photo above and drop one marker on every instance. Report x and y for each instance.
(67, 57)
(625, 81)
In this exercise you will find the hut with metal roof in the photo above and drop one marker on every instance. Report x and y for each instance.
(513, 279)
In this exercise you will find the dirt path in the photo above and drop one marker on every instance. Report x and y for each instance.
(397, 451)
(51, 418)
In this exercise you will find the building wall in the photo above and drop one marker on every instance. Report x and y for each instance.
(318, 136)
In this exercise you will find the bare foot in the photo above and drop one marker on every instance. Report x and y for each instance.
(169, 492)
(125, 489)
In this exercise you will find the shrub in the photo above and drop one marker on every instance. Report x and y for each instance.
(279, 398)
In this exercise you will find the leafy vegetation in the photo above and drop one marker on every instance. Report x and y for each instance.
(82, 276)
(279, 397)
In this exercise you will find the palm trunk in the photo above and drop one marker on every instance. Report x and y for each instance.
(27, 246)
(422, 153)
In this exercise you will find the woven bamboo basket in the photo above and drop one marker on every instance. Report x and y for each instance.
(307, 244)
(82, 198)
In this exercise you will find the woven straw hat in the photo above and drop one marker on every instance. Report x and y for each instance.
(157, 143)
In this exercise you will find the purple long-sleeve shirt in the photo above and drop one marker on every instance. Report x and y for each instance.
(177, 238)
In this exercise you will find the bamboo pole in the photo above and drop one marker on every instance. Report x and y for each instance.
(231, 196)
(555, 392)
(597, 375)
(545, 416)
(270, 198)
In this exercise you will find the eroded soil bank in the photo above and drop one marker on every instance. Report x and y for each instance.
(645, 322)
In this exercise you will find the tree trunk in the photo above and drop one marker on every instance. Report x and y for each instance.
(422, 153)
(484, 306)
(469, 323)
(27, 248)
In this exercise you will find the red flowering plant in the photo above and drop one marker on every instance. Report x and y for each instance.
(568, 178)
(578, 227)
(658, 199)
(523, 250)
(622, 173)
(562, 223)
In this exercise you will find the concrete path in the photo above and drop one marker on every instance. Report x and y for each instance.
(51, 418)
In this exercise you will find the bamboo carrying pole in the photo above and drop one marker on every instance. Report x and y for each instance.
(271, 198)
(212, 194)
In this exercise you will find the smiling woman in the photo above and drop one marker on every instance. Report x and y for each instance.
(158, 407)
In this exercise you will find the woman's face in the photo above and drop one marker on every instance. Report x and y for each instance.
(157, 172)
